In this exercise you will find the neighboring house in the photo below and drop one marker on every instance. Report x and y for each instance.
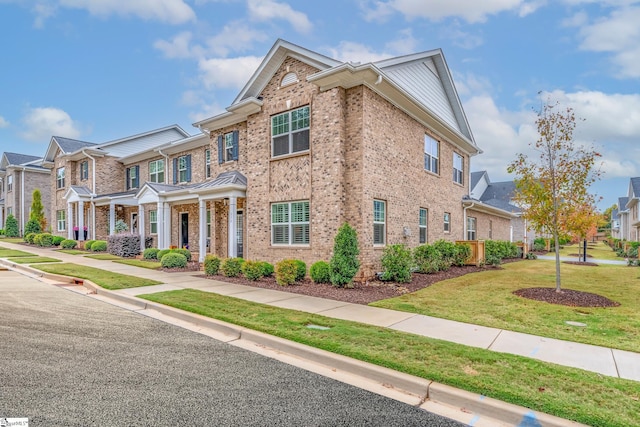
(311, 143)
(21, 174)
(94, 185)
(504, 218)
(623, 217)
(615, 224)
(633, 208)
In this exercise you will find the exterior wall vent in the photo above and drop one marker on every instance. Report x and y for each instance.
(288, 79)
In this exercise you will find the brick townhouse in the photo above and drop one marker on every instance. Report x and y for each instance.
(20, 175)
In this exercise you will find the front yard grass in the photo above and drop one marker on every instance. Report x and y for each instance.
(594, 252)
(104, 257)
(71, 251)
(32, 259)
(140, 263)
(12, 239)
(7, 253)
(486, 298)
(569, 393)
(106, 279)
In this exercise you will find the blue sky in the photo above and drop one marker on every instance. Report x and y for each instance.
(99, 70)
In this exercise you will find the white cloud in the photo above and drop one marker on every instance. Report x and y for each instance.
(404, 44)
(436, 10)
(43, 123)
(228, 72)
(170, 11)
(235, 36)
(43, 11)
(179, 46)
(267, 10)
(618, 34)
(3, 123)
(460, 38)
(356, 52)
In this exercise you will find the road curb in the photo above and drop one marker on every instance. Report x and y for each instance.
(478, 410)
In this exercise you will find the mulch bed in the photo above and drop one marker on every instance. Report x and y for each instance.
(566, 297)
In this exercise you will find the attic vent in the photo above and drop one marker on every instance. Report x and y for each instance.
(288, 79)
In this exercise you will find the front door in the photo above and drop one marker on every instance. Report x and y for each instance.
(134, 223)
(184, 230)
(240, 235)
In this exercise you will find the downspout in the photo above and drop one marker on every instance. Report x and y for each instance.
(93, 193)
(22, 199)
(464, 219)
(166, 163)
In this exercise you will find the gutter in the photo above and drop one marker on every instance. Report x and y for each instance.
(464, 219)
(93, 193)
(166, 163)
(22, 199)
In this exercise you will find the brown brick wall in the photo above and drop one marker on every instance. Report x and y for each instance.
(490, 227)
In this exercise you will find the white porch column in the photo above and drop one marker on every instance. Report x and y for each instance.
(92, 235)
(80, 220)
(232, 228)
(70, 235)
(112, 218)
(160, 225)
(166, 207)
(1, 217)
(141, 226)
(202, 222)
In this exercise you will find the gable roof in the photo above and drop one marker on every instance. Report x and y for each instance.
(634, 186)
(475, 178)
(20, 160)
(420, 84)
(622, 205)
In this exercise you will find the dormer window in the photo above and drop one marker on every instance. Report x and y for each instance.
(288, 79)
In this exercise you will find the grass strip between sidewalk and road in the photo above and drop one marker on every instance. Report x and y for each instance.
(32, 259)
(8, 253)
(486, 298)
(71, 251)
(570, 393)
(104, 257)
(106, 279)
(140, 263)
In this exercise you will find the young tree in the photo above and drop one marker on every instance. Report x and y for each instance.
(11, 227)
(37, 210)
(552, 189)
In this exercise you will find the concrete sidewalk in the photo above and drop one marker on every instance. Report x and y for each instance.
(605, 361)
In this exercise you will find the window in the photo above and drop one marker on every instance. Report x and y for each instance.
(471, 228)
(153, 222)
(60, 178)
(133, 174)
(207, 163)
(182, 169)
(9, 211)
(290, 132)
(490, 229)
(458, 167)
(209, 224)
(61, 216)
(228, 146)
(447, 222)
(431, 154)
(422, 224)
(84, 170)
(156, 171)
(379, 222)
(9, 183)
(290, 223)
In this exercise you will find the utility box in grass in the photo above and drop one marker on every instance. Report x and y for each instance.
(477, 251)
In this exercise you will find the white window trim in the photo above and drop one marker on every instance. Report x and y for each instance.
(152, 222)
(429, 154)
(290, 223)
(62, 221)
(9, 183)
(383, 222)
(458, 174)
(472, 221)
(60, 179)
(447, 222)
(290, 133)
(207, 163)
(423, 226)
(181, 170)
(157, 172)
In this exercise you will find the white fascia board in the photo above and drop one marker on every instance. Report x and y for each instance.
(488, 209)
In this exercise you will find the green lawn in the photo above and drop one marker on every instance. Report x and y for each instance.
(140, 263)
(12, 239)
(105, 257)
(103, 278)
(6, 253)
(569, 393)
(597, 251)
(32, 259)
(71, 251)
(486, 298)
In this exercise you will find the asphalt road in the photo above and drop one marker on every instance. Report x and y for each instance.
(69, 360)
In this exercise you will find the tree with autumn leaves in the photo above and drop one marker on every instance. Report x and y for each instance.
(553, 190)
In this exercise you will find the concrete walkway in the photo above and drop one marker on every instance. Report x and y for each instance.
(606, 361)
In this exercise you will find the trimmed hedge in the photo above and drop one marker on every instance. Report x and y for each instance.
(397, 263)
(320, 272)
(99, 246)
(150, 253)
(173, 260)
(252, 270)
(57, 240)
(29, 238)
(43, 239)
(286, 272)
(231, 267)
(267, 269)
(185, 252)
(68, 244)
(301, 271)
(211, 265)
(87, 244)
(125, 245)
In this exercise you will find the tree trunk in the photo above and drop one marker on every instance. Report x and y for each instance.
(557, 247)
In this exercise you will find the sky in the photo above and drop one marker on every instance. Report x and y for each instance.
(100, 70)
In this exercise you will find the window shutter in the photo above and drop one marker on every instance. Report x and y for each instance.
(137, 176)
(236, 138)
(220, 149)
(175, 170)
(189, 168)
(128, 176)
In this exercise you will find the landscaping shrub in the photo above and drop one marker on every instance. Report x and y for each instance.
(396, 263)
(267, 269)
(427, 259)
(320, 272)
(344, 263)
(11, 226)
(162, 252)
(99, 246)
(185, 252)
(531, 255)
(44, 240)
(539, 244)
(286, 272)
(252, 270)
(57, 240)
(150, 253)
(29, 237)
(1, 231)
(301, 271)
(173, 260)
(121, 226)
(231, 267)
(463, 252)
(148, 242)
(68, 244)
(126, 245)
(211, 265)
(497, 250)
(87, 244)
(32, 226)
